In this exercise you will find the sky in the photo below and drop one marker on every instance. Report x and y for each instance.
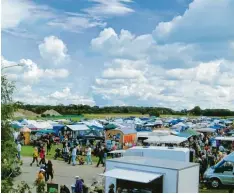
(170, 53)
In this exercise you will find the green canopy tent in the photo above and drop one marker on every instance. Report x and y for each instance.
(110, 126)
(188, 133)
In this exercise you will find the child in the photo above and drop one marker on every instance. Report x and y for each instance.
(35, 156)
(81, 160)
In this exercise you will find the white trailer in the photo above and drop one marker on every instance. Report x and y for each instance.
(151, 175)
(168, 153)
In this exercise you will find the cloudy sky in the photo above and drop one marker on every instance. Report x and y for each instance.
(175, 54)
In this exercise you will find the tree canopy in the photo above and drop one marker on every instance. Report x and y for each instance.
(77, 109)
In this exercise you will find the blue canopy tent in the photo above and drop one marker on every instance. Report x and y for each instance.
(217, 126)
(44, 131)
(16, 126)
(57, 128)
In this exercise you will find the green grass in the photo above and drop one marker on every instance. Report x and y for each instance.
(27, 151)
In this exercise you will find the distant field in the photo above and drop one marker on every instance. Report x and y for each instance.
(100, 116)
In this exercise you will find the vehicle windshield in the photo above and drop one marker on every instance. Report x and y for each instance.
(220, 163)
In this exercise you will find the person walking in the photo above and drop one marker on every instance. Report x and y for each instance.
(74, 150)
(48, 146)
(35, 156)
(49, 171)
(70, 155)
(19, 150)
(100, 156)
(89, 155)
(42, 156)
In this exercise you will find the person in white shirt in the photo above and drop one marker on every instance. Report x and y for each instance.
(19, 150)
(74, 156)
(89, 155)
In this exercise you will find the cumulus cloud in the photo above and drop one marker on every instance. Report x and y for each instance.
(66, 95)
(109, 8)
(213, 18)
(31, 72)
(127, 45)
(202, 85)
(124, 44)
(54, 50)
(14, 12)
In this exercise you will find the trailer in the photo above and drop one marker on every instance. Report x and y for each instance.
(150, 175)
(168, 153)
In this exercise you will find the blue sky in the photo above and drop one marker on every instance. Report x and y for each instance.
(171, 53)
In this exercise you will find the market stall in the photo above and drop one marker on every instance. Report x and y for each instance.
(124, 138)
(149, 175)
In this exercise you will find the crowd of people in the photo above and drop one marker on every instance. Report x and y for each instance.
(206, 151)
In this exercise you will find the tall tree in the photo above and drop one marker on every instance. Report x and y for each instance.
(8, 149)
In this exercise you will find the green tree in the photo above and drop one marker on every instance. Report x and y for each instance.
(154, 113)
(196, 111)
(9, 166)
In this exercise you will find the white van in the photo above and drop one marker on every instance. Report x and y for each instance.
(166, 153)
(222, 173)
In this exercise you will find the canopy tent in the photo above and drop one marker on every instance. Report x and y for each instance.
(178, 125)
(57, 127)
(110, 126)
(40, 125)
(225, 138)
(117, 152)
(132, 175)
(45, 131)
(231, 132)
(208, 130)
(16, 125)
(80, 127)
(188, 133)
(166, 139)
(93, 124)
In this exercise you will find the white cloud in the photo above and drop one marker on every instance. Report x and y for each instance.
(31, 72)
(127, 45)
(203, 21)
(54, 50)
(124, 44)
(109, 8)
(76, 22)
(16, 12)
(202, 85)
(69, 97)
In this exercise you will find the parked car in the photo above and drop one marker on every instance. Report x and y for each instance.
(222, 174)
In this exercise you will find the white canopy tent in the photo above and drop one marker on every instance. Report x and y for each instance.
(80, 127)
(132, 175)
(166, 139)
(40, 125)
(117, 152)
(207, 129)
(225, 138)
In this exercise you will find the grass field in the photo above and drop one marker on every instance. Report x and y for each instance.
(28, 152)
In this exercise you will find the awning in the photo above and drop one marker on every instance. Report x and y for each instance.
(117, 152)
(225, 138)
(78, 127)
(130, 175)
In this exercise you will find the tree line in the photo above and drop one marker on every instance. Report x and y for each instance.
(73, 109)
